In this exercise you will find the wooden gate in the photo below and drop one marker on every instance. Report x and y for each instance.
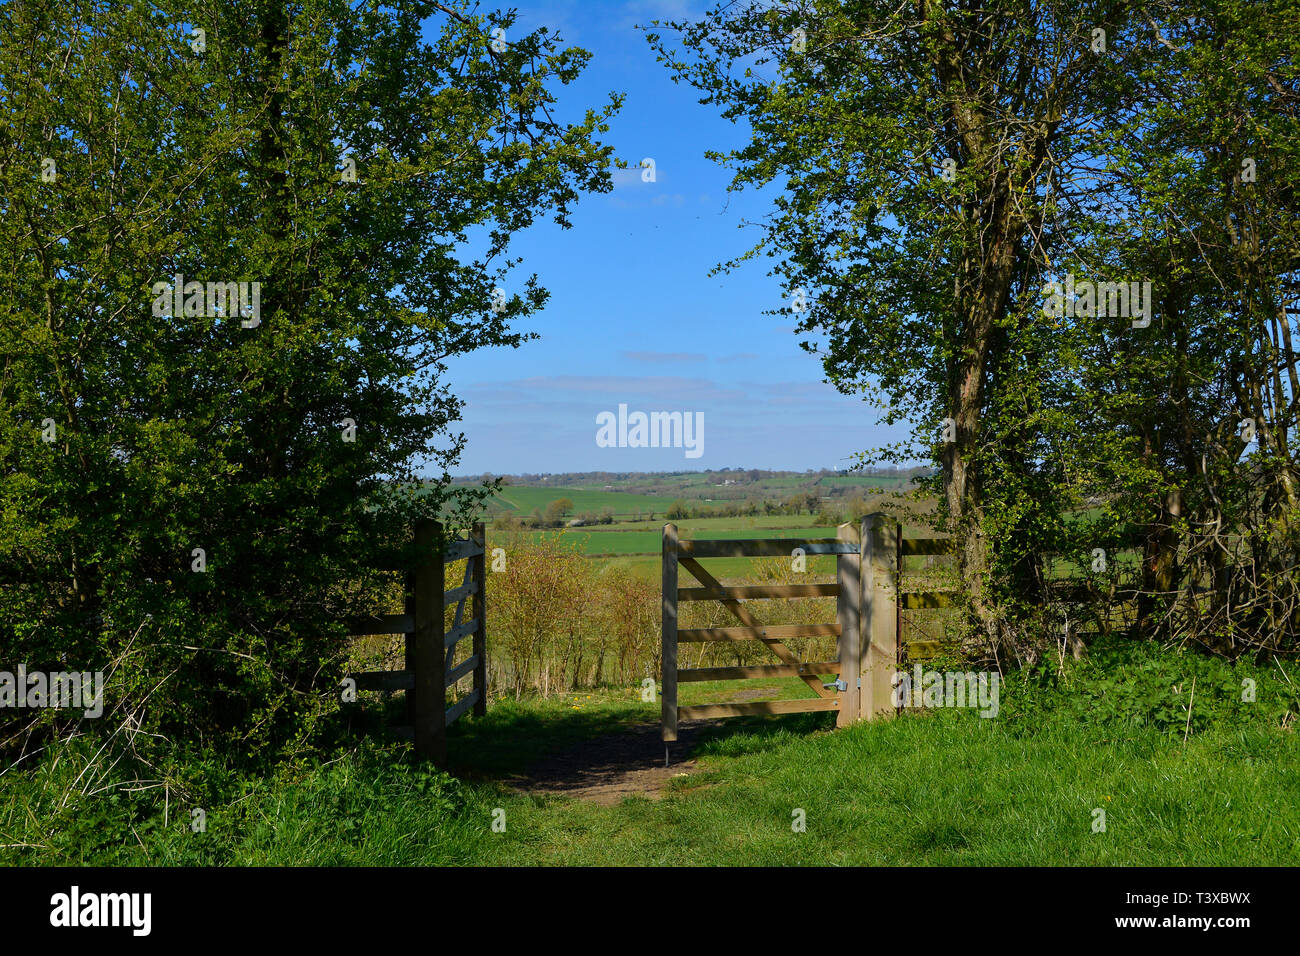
(430, 644)
(868, 568)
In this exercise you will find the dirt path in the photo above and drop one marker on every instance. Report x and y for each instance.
(606, 769)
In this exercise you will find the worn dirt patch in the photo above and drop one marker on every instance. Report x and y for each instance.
(607, 769)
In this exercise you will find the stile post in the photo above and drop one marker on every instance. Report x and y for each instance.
(428, 657)
(408, 658)
(899, 636)
(669, 648)
(479, 608)
(848, 615)
(879, 609)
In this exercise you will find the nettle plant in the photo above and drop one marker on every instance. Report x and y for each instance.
(189, 494)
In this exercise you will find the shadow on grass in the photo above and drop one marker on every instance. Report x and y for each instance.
(737, 736)
(515, 735)
(518, 735)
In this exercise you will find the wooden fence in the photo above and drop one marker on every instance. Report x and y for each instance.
(869, 566)
(430, 646)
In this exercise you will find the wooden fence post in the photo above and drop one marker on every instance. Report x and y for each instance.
(848, 614)
(427, 655)
(879, 648)
(668, 655)
(408, 658)
(479, 609)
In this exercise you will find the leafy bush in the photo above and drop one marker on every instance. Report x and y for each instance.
(188, 502)
(1132, 684)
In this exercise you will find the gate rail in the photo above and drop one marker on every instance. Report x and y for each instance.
(868, 568)
(430, 646)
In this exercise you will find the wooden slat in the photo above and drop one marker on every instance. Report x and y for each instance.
(459, 632)
(462, 705)
(458, 594)
(924, 599)
(456, 550)
(738, 609)
(425, 655)
(879, 650)
(848, 616)
(459, 616)
(757, 708)
(381, 624)
(759, 591)
(920, 650)
(478, 611)
(384, 680)
(929, 545)
(735, 607)
(759, 547)
(816, 668)
(768, 633)
(668, 636)
(461, 669)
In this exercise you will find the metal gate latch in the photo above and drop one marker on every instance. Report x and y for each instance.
(837, 684)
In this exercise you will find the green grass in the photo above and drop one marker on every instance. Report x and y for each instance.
(928, 790)
(935, 788)
(938, 791)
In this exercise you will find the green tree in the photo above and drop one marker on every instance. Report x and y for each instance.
(1202, 202)
(930, 156)
(194, 497)
(559, 509)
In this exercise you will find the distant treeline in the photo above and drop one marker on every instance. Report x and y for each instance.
(625, 480)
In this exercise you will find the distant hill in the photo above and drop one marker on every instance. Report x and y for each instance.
(636, 494)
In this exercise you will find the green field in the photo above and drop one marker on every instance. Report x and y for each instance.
(526, 500)
(637, 545)
(615, 540)
(703, 527)
(629, 496)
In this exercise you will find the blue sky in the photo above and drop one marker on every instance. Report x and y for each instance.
(634, 317)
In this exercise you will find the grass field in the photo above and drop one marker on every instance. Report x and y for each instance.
(615, 540)
(703, 527)
(642, 495)
(637, 545)
(526, 500)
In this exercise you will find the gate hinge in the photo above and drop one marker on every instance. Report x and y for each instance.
(837, 684)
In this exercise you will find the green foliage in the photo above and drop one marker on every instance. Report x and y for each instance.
(1124, 686)
(347, 811)
(176, 433)
(938, 165)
